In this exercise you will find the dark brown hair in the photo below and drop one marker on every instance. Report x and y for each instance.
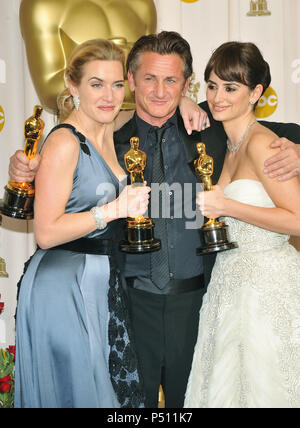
(239, 62)
(164, 43)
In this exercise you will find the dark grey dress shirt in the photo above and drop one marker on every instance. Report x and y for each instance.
(183, 235)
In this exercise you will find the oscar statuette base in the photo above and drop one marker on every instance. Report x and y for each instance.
(214, 239)
(17, 204)
(140, 238)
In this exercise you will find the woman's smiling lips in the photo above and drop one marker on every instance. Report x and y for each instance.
(106, 108)
(219, 108)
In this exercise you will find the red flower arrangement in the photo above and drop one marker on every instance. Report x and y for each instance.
(7, 371)
(5, 384)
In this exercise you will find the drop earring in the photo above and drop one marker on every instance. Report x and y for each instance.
(76, 102)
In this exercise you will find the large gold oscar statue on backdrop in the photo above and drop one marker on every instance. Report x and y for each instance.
(52, 28)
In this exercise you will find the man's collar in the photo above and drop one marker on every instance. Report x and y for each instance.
(189, 141)
(144, 127)
(142, 123)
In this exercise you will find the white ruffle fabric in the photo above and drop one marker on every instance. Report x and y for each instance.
(248, 349)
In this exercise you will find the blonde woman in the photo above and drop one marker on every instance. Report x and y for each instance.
(73, 340)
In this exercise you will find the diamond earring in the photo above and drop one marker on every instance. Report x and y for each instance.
(76, 102)
(252, 102)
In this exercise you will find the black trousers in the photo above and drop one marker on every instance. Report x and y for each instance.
(165, 329)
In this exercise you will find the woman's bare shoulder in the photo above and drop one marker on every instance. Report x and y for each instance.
(61, 142)
(260, 141)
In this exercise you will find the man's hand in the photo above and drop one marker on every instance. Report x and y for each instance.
(22, 169)
(194, 118)
(285, 164)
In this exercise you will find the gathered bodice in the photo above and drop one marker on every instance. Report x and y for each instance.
(247, 353)
(249, 237)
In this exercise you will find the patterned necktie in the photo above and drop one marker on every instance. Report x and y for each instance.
(159, 259)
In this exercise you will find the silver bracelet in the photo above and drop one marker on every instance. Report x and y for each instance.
(98, 217)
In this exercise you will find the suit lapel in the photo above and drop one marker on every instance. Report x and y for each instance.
(122, 140)
(215, 142)
(214, 139)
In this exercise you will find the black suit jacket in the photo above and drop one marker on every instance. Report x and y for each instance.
(214, 139)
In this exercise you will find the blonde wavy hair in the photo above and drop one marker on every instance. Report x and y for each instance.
(91, 50)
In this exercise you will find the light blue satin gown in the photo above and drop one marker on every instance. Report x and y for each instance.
(72, 347)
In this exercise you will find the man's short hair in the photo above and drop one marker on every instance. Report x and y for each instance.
(164, 43)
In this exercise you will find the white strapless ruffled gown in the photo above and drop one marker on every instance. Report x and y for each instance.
(248, 349)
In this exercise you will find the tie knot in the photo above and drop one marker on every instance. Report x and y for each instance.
(159, 132)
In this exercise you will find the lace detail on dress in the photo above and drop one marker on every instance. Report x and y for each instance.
(123, 364)
(248, 348)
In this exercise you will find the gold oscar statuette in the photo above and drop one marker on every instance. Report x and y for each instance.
(139, 232)
(214, 237)
(18, 197)
(3, 273)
